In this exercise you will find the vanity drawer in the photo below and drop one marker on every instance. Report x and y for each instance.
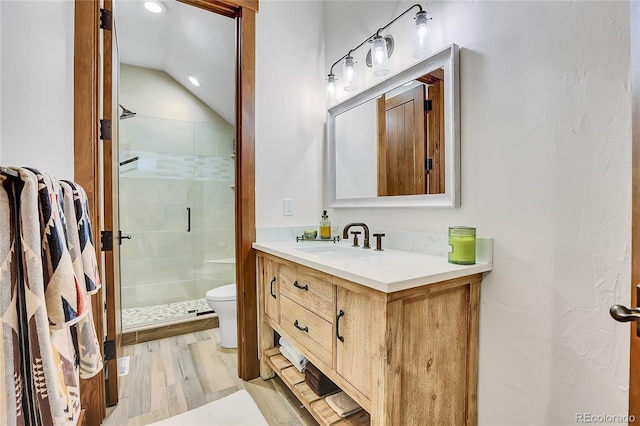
(309, 329)
(308, 290)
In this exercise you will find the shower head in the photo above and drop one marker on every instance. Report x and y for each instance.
(126, 113)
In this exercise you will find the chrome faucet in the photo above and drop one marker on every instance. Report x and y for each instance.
(345, 233)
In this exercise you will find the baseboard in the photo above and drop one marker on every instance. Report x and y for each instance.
(168, 330)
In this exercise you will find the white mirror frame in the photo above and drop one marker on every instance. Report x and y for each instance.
(447, 58)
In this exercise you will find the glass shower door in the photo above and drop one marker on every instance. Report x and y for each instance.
(156, 209)
(214, 205)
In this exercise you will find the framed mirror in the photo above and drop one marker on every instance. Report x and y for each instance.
(397, 144)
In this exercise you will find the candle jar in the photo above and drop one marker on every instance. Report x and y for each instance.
(462, 245)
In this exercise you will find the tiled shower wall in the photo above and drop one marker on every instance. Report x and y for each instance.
(181, 165)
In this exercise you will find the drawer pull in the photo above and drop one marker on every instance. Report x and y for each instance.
(271, 290)
(305, 329)
(340, 314)
(301, 287)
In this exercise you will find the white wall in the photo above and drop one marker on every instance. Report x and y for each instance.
(289, 112)
(546, 172)
(357, 156)
(545, 158)
(36, 80)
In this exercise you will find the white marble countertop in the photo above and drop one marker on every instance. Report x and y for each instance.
(387, 271)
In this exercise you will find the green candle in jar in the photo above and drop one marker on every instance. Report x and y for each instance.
(462, 245)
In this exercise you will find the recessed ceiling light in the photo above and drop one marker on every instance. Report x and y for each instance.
(154, 7)
(194, 81)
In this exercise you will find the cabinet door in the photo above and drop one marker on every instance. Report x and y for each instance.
(270, 285)
(354, 322)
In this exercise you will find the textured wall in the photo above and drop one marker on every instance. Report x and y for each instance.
(546, 172)
(37, 85)
(290, 113)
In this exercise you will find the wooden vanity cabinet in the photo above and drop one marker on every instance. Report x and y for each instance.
(357, 314)
(270, 276)
(408, 358)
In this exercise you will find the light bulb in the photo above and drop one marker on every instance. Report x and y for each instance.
(332, 92)
(350, 74)
(154, 7)
(379, 56)
(421, 36)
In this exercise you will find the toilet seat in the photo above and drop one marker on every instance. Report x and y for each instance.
(226, 293)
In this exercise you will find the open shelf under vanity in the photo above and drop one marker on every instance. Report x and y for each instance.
(316, 405)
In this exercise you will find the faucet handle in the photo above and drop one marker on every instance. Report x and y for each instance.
(355, 238)
(379, 241)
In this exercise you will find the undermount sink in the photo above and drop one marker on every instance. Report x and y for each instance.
(337, 252)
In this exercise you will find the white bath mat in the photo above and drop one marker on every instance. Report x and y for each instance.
(237, 409)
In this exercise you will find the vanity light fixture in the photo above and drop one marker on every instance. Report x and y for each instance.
(350, 74)
(420, 36)
(378, 56)
(154, 7)
(332, 90)
(194, 81)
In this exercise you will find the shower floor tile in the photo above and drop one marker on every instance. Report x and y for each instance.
(145, 315)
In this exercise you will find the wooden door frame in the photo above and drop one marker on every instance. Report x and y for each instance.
(87, 171)
(634, 362)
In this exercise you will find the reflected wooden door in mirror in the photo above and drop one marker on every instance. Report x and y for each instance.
(397, 143)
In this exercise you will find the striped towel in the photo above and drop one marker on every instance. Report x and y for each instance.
(54, 383)
(88, 345)
(11, 374)
(91, 275)
(65, 297)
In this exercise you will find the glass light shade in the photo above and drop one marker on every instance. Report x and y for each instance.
(349, 74)
(421, 36)
(379, 56)
(332, 90)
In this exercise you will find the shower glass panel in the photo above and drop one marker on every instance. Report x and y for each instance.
(177, 204)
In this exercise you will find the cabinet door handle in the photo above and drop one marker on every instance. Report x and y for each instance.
(305, 329)
(271, 290)
(340, 314)
(188, 219)
(301, 287)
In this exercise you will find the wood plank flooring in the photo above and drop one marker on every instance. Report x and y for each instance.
(176, 374)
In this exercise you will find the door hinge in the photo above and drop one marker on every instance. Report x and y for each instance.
(428, 164)
(428, 105)
(106, 240)
(105, 130)
(109, 350)
(106, 19)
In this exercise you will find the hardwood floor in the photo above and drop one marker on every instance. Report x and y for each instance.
(176, 374)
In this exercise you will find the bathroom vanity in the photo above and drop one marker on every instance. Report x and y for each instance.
(396, 330)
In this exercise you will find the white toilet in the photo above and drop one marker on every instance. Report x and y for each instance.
(223, 301)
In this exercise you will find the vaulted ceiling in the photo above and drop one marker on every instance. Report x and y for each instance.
(182, 41)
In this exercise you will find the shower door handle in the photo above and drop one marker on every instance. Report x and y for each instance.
(188, 219)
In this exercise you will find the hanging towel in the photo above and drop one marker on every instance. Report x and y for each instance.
(91, 275)
(12, 380)
(53, 383)
(65, 298)
(342, 404)
(88, 344)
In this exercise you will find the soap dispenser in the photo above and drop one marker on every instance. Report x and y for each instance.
(325, 226)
